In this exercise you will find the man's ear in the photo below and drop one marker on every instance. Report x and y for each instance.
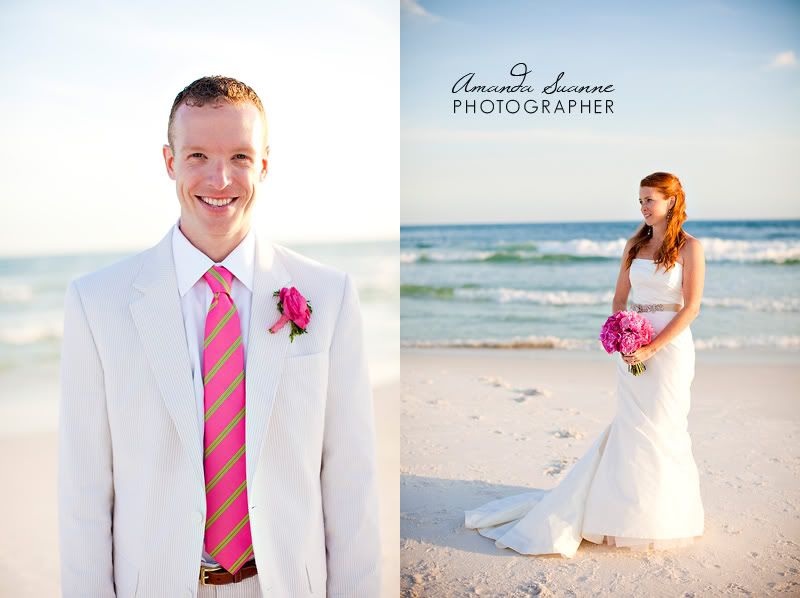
(169, 159)
(264, 162)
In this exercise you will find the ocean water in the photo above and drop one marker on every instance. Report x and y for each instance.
(32, 293)
(551, 285)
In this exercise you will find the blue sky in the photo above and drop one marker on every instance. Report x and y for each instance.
(707, 90)
(89, 86)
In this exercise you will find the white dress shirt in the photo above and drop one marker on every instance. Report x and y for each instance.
(196, 296)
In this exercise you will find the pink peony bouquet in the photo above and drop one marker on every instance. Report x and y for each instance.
(626, 332)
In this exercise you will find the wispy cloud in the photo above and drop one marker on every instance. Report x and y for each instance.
(415, 9)
(783, 60)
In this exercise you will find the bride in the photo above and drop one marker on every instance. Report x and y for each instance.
(637, 485)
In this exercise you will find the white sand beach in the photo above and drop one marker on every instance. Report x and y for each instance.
(482, 424)
(29, 555)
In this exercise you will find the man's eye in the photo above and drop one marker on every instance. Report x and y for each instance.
(196, 155)
(241, 156)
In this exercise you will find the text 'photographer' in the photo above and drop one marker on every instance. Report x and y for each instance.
(523, 105)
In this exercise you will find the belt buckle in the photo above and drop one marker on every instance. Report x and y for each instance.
(204, 570)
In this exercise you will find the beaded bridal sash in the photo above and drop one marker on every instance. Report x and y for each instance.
(640, 307)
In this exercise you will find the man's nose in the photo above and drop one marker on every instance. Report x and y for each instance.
(219, 176)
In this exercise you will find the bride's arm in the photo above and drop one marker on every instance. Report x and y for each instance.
(694, 270)
(623, 283)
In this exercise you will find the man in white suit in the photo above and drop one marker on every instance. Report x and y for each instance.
(132, 487)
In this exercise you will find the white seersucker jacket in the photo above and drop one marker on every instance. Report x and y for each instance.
(130, 475)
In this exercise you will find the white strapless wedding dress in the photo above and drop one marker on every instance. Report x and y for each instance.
(637, 485)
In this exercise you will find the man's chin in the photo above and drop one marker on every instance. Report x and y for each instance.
(226, 223)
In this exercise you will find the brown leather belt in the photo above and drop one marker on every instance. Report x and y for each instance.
(219, 576)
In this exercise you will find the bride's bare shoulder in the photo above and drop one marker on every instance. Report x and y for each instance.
(692, 243)
(626, 249)
(692, 250)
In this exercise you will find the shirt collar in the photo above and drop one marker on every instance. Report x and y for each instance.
(191, 263)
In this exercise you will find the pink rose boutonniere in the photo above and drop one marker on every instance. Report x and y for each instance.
(294, 309)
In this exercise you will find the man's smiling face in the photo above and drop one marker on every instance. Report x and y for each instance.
(217, 159)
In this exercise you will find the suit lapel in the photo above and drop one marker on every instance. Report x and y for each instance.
(265, 351)
(156, 311)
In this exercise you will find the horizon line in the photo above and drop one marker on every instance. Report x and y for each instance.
(513, 223)
(132, 250)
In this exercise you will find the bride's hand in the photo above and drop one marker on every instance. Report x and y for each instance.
(639, 356)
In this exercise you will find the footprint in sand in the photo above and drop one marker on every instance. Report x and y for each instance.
(568, 433)
(558, 465)
(533, 589)
(524, 393)
(494, 381)
(528, 394)
(438, 402)
(731, 530)
(735, 588)
(534, 392)
(569, 410)
(784, 587)
(553, 470)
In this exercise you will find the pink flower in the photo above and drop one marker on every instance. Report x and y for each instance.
(628, 343)
(294, 309)
(295, 306)
(626, 332)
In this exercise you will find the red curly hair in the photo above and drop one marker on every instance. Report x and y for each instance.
(674, 237)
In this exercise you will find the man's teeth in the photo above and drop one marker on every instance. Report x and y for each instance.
(217, 202)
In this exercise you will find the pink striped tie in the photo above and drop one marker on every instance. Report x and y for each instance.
(227, 536)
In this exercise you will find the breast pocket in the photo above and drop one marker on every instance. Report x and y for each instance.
(305, 375)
